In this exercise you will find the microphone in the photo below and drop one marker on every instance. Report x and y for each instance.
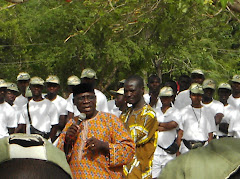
(81, 118)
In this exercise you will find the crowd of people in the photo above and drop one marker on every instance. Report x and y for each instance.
(133, 136)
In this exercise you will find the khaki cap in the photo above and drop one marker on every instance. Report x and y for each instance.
(36, 81)
(208, 83)
(12, 87)
(23, 76)
(198, 71)
(88, 73)
(196, 88)
(73, 81)
(236, 78)
(53, 79)
(166, 91)
(39, 148)
(28, 92)
(119, 91)
(225, 86)
(3, 84)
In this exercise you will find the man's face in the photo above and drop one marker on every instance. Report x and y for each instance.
(88, 80)
(132, 92)
(22, 85)
(154, 85)
(120, 100)
(184, 83)
(196, 98)
(208, 92)
(86, 103)
(166, 100)
(197, 78)
(52, 88)
(223, 95)
(36, 90)
(10, 96)
(236, 87)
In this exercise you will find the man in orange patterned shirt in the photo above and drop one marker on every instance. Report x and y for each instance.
(98, 146)
(141, 121)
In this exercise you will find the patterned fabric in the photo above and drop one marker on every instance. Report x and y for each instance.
(142, 125)
(105, 127)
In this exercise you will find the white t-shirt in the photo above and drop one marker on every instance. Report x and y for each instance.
(235, 102)
(43, 114)
(166, 138)
(20, 101)
(214, 107)
(182, 99)
(61, 105)
(155, 107)
(113, 109)
(8, 119)
(230, 117)
(195, 124)
(100, 106)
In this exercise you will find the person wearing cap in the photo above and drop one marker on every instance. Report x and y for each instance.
(96, 145)
(53, 86)
(234, 98)
(152, 97)
(214, 106)
(230, 124)
(120, 102)
(11, 93)
(39, 115)
(8, 115)
(23, 79)
(168, 119)
(195, 128)
(31, 156)
(183, 98)
(140, 119)
(71, 82)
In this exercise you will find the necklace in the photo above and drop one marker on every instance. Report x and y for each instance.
(198, 120)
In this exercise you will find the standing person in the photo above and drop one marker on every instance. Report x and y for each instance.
(8, 116)
(39, 115)
(23, 79)
(141, 121)
(183, 98)
(53, 87)
(98, 146)
(71, 82)
(195, 129)
(11, 93)
(120, 102)
(184, 82)
(230, 124)
(234, 98)
(214, 106)
(168, 121)
(152, 97)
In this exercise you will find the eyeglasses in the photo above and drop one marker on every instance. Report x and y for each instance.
(86, 97)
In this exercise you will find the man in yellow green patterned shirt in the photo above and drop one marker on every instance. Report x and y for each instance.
(141, 121)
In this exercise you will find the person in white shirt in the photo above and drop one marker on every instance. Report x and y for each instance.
(39, 114)
(152, 97)
(183, 98)
(168, 119)
(53, 87)
(230, 124)
(195, 129)
(23, 79)
(234, 99)
(214, 106)
(8, 116)
(11, 93)
(89, 76)
(119, 101)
